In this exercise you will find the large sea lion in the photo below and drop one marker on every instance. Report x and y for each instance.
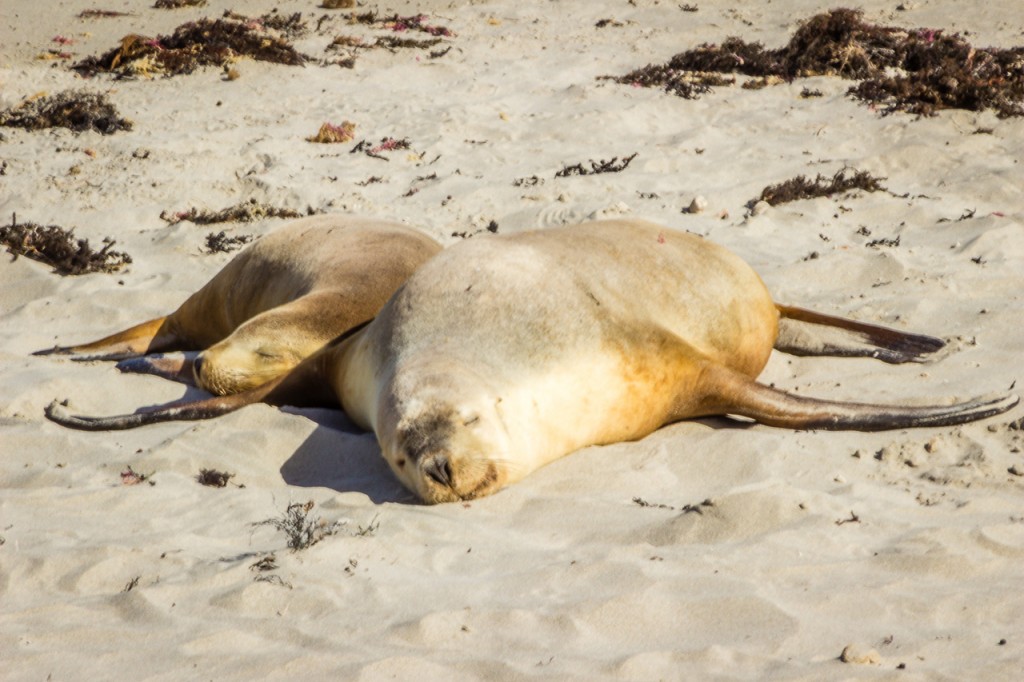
(274, 304)
(504, 353)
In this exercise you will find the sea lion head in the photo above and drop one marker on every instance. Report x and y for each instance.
(446, 440)
(227, 368)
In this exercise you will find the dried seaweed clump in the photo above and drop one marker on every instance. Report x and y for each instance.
(386, 42)
(399, 24)
(597, 167)
(950, 74)
(101, 14)
(244, 213)
(387, 144)
(59, 249)
(801, 188)
(349, 45)
(918, 71)
(178, 4)
(213, 478)
(207, 42)
(219, 242)
(290, 25)
(77, 111)
(302, 528)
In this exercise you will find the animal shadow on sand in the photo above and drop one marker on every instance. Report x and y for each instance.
(341, 456)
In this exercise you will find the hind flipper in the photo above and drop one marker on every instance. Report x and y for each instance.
(200, 409)
(147, 337)
(805, 332)
(729, 392)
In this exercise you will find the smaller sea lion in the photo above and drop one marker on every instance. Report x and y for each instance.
(275, 303)
(504, 353)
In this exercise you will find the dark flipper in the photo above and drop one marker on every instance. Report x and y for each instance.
(736, 394)
(305, 386)
(200, 409)
(176, 367)
(805, 332)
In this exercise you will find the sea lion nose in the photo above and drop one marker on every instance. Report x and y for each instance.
(440, 469)
(197, 366)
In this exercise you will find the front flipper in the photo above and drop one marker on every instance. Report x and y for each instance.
(805, 332)
(173, 366)
(305, 386)
(729, 392)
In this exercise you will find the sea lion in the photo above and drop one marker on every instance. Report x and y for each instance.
(504, 353)
(275, 303)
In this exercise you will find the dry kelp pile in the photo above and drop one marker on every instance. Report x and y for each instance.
(214, 478)
(239, 213)
(386, 42)
(919, 71)
(349, 45)
(387, 144)
(394, 22)
(801, 188)
(77, 111)
(597, 167)
(219, 242)
(178, 4)
(207, 42)
(101, 14)
(290, 25)
(58, 248)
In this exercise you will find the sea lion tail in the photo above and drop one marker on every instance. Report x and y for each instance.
(147, 337)
(735, 394)
(805, 332)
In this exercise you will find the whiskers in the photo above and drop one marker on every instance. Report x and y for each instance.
(478, 476)
(225, 379)
(219, 381)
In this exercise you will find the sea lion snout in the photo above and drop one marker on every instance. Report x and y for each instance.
(424, 456)
(445, 452)
(458, 476)
(439, 469)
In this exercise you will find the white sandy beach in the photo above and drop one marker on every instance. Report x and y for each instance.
(907, 546)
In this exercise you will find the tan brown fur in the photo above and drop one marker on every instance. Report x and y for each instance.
(277, 302)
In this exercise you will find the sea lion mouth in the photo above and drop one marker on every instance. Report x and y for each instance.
(487, 483)
(439, 469)
(447, 483)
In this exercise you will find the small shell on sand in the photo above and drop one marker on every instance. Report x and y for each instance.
(698, 205)
(853, 653)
